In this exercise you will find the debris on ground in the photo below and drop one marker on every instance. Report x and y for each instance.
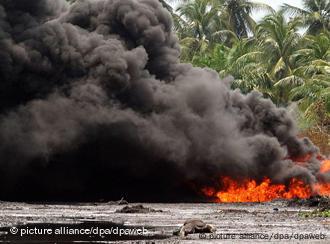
(320, 202)
(137, 209)
(122, 201)
(236, 211)
(194, 226)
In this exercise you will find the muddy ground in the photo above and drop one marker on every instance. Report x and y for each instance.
(239, 223)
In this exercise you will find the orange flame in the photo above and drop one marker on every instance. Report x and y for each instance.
(251, 191)
(322, 189)
(325, 167)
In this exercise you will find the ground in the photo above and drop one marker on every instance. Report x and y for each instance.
(246, 220)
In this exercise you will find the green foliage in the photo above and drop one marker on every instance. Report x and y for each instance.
(198, 19)
(316, 213)
(315, 15)
(237, 15)
(313, 96)
(216, 58)
(271, 56)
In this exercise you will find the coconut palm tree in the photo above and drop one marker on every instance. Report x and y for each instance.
(313, 98)
(215, 58)
(315, 14)
(314, 57)
(313, 65)
(197, 19)
(168, 4)
(245, 62)
(237, 13)
(177, 20)
(280, 40)
(198, 16)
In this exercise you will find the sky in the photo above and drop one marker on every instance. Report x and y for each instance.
(276, 4)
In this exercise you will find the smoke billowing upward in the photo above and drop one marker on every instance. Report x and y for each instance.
(95, 104)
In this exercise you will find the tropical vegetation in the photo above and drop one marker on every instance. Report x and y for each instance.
(285, 55)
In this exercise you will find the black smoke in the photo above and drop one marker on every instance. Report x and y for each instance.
(95, 104)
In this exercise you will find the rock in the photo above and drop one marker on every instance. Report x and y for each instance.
(194, 226)
(137, 209)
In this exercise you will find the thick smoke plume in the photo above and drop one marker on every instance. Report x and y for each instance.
(95, 104)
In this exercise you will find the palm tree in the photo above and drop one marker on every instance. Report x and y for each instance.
(215, 58)
(315, 15)
(279, 39)
(313, 98)
(177, 20)
(313, 65)
(314, 58)
(167, 4)
(237, 14)
(197, 20)
(278, 64)
(245, 62)
(209, 16)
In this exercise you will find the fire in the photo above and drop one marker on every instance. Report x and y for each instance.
(322, 189)
(325, 167)
(251, 191)
(208, 191)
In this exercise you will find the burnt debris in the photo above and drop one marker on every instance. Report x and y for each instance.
(193, 226)
(137, 209)
(320, 202)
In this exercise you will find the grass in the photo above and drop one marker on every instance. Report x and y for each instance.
(321, 205)
(316, 213)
